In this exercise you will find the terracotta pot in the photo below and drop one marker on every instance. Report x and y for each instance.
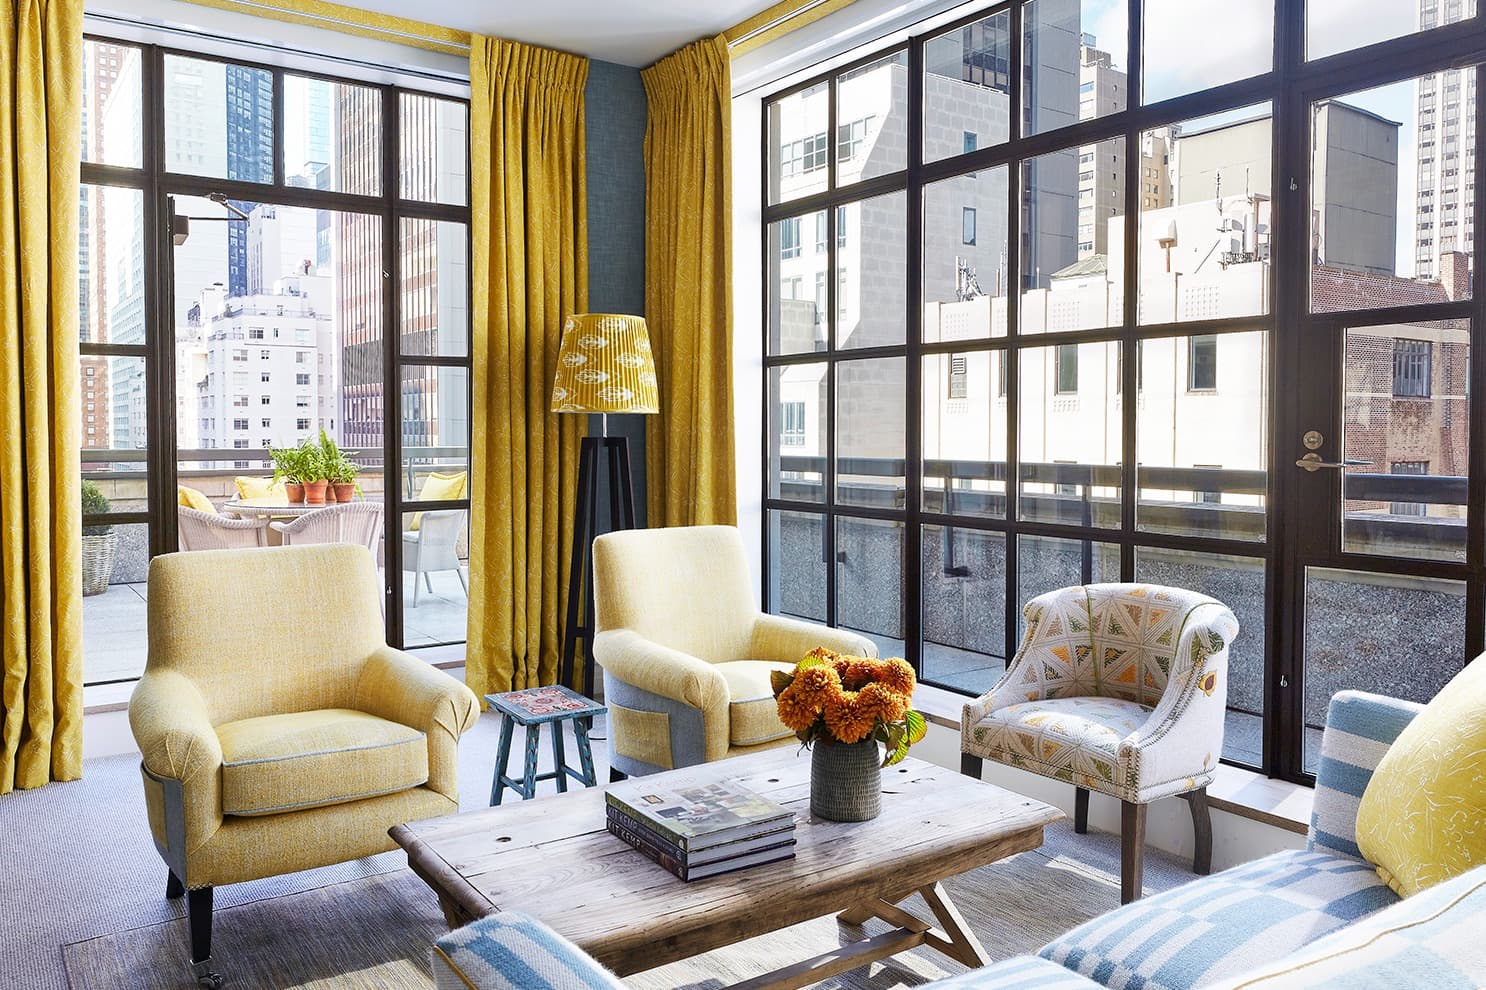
(330, 498)
(344, 492)
(295, 491)
(314, 492)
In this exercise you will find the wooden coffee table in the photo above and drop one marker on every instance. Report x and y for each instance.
(553, 859)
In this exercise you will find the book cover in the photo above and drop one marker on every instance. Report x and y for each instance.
(662, 856)
(698, 816)
(698, 857)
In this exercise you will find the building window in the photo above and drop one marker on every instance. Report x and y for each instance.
(841, 226)
(792, 424)
(959, 377)
(1067, 369)
(1411, 368)
(972, 140)
(820, 233)
(967, 225)
(301, 379)
(301, 424)
(789, 238)
(1202, 363)
(267, 424)
(1416, 468)
(265, 377)
(239, 424)
(264, 355)
(266, 400)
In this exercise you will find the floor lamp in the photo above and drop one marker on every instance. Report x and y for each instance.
(604, 366)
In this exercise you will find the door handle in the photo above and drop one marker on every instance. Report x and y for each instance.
(1312, 462)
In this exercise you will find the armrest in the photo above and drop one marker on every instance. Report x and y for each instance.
(649, 666)
(777, 637)
(401, 688)
(177, 741)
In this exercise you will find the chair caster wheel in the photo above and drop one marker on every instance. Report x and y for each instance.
(206, 978)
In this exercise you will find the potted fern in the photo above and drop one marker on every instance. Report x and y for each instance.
(288, 467)
(340, 471)
(100, 542)
(313, 472)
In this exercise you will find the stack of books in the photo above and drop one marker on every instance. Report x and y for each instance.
(701, 831)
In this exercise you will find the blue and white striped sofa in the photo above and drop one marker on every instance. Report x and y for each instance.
(1318, 917)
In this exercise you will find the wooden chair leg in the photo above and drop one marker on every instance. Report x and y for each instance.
(617, 775)
(1132, 850)
(199, 917)
(970, 765)
(173, 886)
(1081, 810)
(1202, 832)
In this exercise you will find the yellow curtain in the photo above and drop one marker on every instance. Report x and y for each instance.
(530, 270)
(690, 472)
(41, 43)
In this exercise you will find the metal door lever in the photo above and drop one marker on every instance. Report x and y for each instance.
(1312, 462)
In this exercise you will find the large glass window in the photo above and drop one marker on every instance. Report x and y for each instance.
(275, 324)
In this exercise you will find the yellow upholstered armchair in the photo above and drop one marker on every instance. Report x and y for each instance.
(278, 730)
(685, 650)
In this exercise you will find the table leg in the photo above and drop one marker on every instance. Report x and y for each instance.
(502, 759)
(585, 752)
(963, 945)
(529, 777)
(559, 758)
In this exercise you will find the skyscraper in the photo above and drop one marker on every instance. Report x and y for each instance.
(249, 106)
(1445, 152)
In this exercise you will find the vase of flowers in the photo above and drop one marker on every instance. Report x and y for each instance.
(844, 708)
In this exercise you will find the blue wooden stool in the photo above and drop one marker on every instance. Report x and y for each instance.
(531, 708)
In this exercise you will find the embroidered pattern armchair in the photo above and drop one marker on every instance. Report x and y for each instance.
(1117, 688)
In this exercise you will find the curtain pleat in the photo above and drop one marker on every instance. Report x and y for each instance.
(689, 446)
(530, 270)
(41, 47)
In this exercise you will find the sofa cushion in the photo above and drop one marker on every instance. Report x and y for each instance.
(1422, 818)
(1432, 939)
(1219, 926)
(1071, 739)
(753, 717)
(288, 762)
(1018, 973)
(511, 950)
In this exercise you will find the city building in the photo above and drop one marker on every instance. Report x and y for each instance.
(1445, 152)
(102, 63)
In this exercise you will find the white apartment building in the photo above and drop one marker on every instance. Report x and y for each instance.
(1445, 151)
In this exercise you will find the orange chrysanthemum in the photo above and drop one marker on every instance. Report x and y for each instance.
(848, 697)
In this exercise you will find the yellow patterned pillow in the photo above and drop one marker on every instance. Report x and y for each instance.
(192, 499)
(1422, 818)
(259, 488)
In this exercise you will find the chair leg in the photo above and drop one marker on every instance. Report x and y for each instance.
(1081, 810)
(173, 886)
(617, 775)
(415, 589)
(462, 582)
(1132, 850)
(428, 580)
(1202, 832)
(971, 765)
(199, 916)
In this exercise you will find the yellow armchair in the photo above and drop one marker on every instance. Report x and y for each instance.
(685, 651)
(278, 731)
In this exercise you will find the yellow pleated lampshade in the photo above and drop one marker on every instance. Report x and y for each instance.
(604, 365)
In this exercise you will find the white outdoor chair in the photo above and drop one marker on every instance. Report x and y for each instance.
(359, 523)
(433, 546)
(199, 530)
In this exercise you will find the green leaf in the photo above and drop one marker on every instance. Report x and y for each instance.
(779, 680)
(917, 726)
(897, 754)
(809, 662)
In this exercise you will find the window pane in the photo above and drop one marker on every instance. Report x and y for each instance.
(964, 588)
(1045, 563)
(869, 581)
(1205, 246)
(111, 266)
(116, 561)
(114, 437)
(1360, 631)
(358, 314)
(1202, 436)
(872, 119)
(1392, 178)
(1333, 26)
(870, 397)
(1070, 75)
(218, 119)
(1406, 422)
(435, 288)
(798, 315)
(1069, 428)
(435, 425)
(798, 146)
(435, 577)
(112, 123)
(797, 432)
(964, 441)
(1192, 45)
(1071, 277)
(965, 278)
(967, 87)
(435, 149)
(1237, 582)
(332, 136)
(871, 272)
(797, 564)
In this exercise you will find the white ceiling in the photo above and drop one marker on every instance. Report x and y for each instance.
(630, 32)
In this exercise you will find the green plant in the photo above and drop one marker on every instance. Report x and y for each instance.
(288, 464)
(95, 503)
(339, 469)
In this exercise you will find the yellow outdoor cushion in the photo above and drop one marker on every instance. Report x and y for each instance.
(300, 760)
(1422, 818)
(260, 488)
(192, 499)
(753, 716)
(437, 488)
